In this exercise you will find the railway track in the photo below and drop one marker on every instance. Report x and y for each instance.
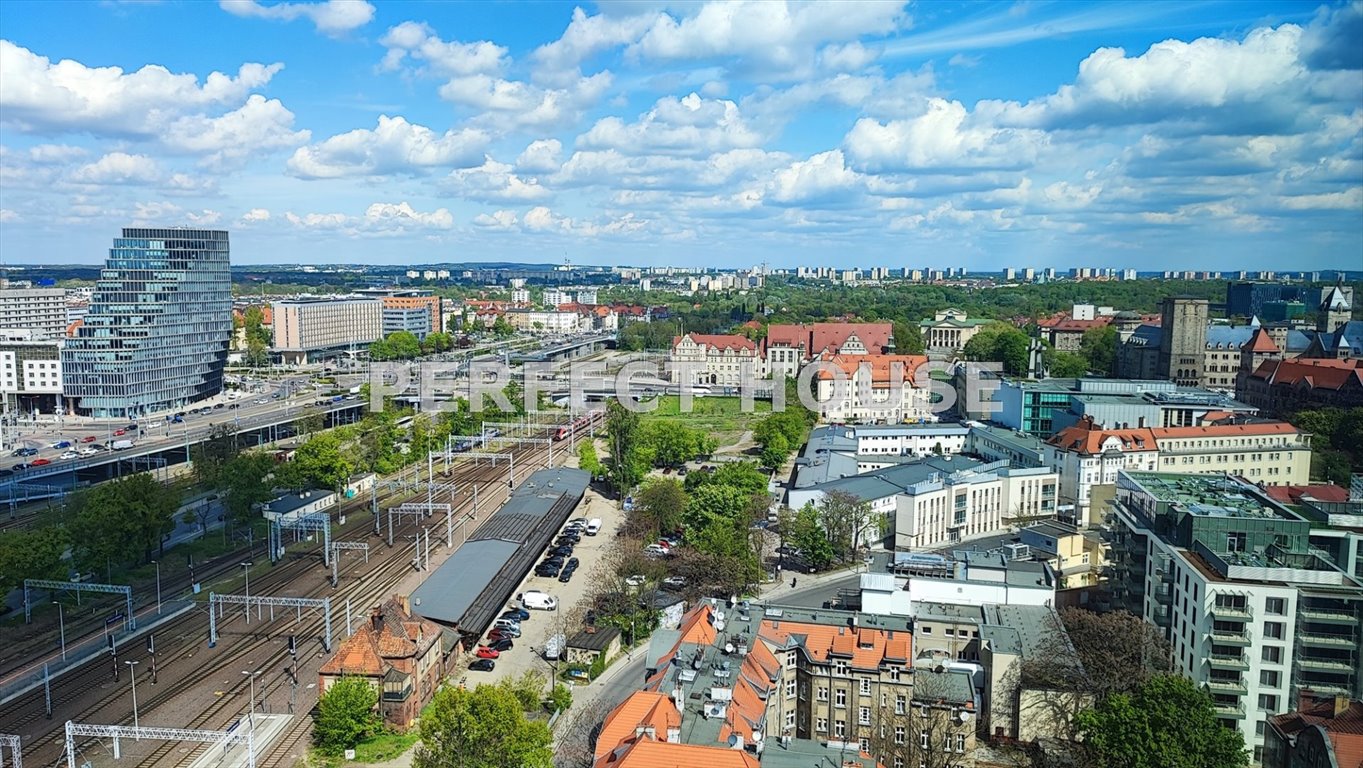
(90, 695)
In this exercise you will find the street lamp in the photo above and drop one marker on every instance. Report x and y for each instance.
(251, 705)
(61, 624)
(132, 678)
(158, 586)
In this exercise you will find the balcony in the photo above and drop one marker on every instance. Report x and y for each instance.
(1230, 637)
(1241, 612)
(1235, 687)
(1164, 593)
(1331, 641)
(1236, 711)
(1228, 661)
(1328, 615)
(1329, 690)
(1305, 662)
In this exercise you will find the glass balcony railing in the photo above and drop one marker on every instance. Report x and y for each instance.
(1228, 661)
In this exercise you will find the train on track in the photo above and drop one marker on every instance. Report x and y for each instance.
(581, 424)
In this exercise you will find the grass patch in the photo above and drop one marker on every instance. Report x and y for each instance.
(385, 747)
(722, 417)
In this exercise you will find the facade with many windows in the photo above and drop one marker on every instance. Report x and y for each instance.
(159, 325)
(42, 310)
(1251, 610)
(305, 330)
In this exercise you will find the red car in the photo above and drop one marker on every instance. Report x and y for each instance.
(39, 462)
(88, 439)
(120, 432)
(485, 652)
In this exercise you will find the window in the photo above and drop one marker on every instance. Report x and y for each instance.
(821, 724)
(840, 728)
(923, 739)
(864, 716)
(1259, 728)
(899, 734)
(901, 704)
(840, 667)
(960, 742)
(865, 686)
(925, 630)
(1270, 678)
(1273, 654)
(1275, 606)
(1268, 702)
(840, 698)
(790, 719)
(1273, 630)
(823, 693)
(898, 762)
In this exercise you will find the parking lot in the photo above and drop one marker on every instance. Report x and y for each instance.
(590, 552)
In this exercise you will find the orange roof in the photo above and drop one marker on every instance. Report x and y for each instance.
(718, 341)
(71, 329)
(646, 753)
(696, 626)
(356, 655)
(643, 709)
(1261, 342)
(1084, 438)
(863, 649)
(397, 635)
(1227, 430)
(883, 367)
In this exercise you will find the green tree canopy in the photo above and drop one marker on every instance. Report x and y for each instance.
(1000, 342)
(625, 466)
(659, 506)
(481, 728)
(121, 522)
(347, 714)
(319, 462)
(1168, 722)
(908, 338)
(35, 553)
(803, 529)
(1099, 347)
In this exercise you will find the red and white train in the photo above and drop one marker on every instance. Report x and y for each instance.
(581, 424)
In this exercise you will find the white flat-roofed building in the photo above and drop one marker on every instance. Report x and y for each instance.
(40, 309)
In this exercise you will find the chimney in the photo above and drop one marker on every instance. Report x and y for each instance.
(405, 601)
(376, 619)
(1342, 704)
(1140, 422)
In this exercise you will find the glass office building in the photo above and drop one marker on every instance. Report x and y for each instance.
(159, 325)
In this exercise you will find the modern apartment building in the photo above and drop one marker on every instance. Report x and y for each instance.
(1250, 608)
(30, 376)
(546, 321)
(401, 306)
(311, 329)
(42, 310)
(1085, 455)
(159, 325)
(413, 320)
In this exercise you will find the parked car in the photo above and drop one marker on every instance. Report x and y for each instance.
(562, 550)
(508, 624)
(40, 463)
(674, 582)
(61, 444)
(538, 601)
(567, 575)
(88, 439)
(548, 570)
(501, 645)
(482, 665)
(593, 526)
(70, 455)
(635, 581)
(484, 652)
(519, 614)
(653, 550)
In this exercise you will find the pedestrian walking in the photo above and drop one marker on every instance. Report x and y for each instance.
(792, 582)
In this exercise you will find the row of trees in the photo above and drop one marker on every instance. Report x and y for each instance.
(830, 532)
(1336, 443)
(635, 446)
(404, 345)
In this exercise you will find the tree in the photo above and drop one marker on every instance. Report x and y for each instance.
(1099, 347)
(318, 462)
(212, 455)
(671, 443)
(586, 458)
(908, 715)
(257, 355)
(803, 530)
(623, 466)
(121, 522)
(658, 507)
(244, 486)
(1166, 722)
(347, 714)
(481, 728)
(1118, 650)
(1000, 342)
(775, 451)
(35, 553)
(846, 518)
(502, 329)
(1066, 365)
(908, 338)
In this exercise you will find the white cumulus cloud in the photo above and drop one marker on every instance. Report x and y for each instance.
(541, 156)
(260, 125)
(686, 126)
(118, 168)
(395, 146)
(945, 136)
(418, 41)
(331, 17)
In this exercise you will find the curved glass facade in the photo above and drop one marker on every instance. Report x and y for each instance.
(160, 321)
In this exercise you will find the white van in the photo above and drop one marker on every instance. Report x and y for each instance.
(538, 601)
(593, 526)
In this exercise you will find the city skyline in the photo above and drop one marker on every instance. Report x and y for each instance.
(1208, 137)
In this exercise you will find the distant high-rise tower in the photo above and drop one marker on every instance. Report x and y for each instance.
(159, 324)
(1183, 340)
(1336, 307)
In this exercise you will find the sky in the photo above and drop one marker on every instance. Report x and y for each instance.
(1154, 135)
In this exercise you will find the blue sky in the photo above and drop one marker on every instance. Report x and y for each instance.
(1216, 135)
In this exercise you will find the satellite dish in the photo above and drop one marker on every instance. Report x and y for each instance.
(757, 737)
(963, 715)
(728, 647)
(734, 741)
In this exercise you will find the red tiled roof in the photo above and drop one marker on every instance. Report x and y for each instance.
(864, 649)
(718, 341)
(1083, 437)
(882, 366)
(642, 709)
(646, 753)
(1070, 324)
(1345, 730)
(1312, 373)
(398, 635)
(1261, 341)
(818, 338)
(1292, 494)
(1227, 430)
